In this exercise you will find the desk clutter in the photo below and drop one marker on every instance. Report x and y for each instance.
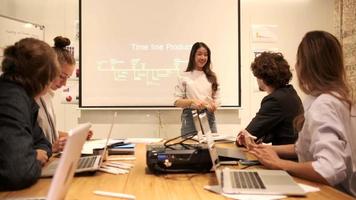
(107, 147)
(114, 167)
(125, 147)
(117, 146)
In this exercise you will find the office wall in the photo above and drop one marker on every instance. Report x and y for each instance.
(59, 18)
(345, 14)
(283, 22)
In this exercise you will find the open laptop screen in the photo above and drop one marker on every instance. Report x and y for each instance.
(201, 125)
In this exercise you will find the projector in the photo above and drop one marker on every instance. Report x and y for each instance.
(178, 158)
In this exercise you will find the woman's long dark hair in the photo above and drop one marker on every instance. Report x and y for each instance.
(211, 76)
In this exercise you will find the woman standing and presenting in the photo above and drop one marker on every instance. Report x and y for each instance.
(323, 147)
(197, 89)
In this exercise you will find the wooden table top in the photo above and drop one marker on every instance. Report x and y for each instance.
(145, 185)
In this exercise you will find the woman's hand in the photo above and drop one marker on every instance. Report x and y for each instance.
(41, 156)
(198, 104)
(212, 106)
(266, 155)
(90, 134)
(59, 144)
(244, 138)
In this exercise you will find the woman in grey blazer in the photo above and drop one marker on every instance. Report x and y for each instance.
(28, 68)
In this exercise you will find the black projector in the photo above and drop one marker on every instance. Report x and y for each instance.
(178, 158)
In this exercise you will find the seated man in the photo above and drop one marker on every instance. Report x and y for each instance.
(274, 120)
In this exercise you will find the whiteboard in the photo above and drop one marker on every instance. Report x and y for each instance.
(12, 30)
(131, 52)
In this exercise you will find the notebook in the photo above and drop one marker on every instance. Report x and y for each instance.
(237, 181)
(122, 149)
(202, 126)
(66, 166)
(86, 164)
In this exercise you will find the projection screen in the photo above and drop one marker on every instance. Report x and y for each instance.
(131, 51)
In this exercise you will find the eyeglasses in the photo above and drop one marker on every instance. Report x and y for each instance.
(64, 76)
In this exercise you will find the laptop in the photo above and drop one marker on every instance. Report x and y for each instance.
(200, 134)
(86, 164)
(225, 153)
(236, 181)
(66, 166)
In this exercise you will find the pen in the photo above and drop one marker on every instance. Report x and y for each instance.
(114, 194)
(260, 140)
(117, 166)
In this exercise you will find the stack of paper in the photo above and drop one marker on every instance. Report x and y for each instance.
(143, 140)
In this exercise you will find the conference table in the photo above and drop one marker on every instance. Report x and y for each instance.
(145, 185)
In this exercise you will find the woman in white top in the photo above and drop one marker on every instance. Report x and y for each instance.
(46, 115)
(323, 147)
(197, 89)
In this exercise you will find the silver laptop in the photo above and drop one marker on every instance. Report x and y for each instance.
(86, 164)
(202, 126)
(205, 126)
(66, 166)
(252, 181)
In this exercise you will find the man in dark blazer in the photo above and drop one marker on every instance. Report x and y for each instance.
(273, 122)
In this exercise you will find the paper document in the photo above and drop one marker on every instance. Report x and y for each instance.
(217, 189)
(308, 188)
(143, 140)
(217, 137)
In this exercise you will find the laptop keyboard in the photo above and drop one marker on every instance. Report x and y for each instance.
(246, 180)
(86, 162)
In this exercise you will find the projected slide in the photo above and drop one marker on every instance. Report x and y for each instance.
(133, 50)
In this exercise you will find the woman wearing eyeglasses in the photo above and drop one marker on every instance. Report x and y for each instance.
(46, 116)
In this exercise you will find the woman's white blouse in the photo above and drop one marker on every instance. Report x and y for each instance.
(45, 115)
(195, 85)
(323, 140)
